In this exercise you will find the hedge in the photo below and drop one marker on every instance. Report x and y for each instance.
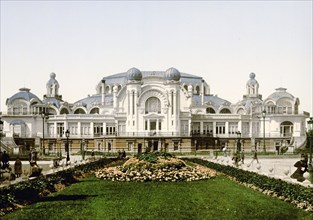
(26, 192)
(292, 192)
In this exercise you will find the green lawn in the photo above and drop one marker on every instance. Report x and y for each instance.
(218, 198)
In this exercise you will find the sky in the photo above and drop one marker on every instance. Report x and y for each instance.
(222, 41)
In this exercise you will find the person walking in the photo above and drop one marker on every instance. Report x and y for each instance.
(242, 155)
(5, 160)
(255, 157)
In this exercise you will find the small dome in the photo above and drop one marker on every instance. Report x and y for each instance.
(280, 93)
(52, 75)
(134, 74)
(252, 80)
(52, 80)
(172, 74)
(24, 94)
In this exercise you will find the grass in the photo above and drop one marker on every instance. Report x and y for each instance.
(218, 198)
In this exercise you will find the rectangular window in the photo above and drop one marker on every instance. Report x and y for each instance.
(175, 145)
(129, 146)
(220, 128)
(160, 125)
(110, 130)
(60, 129)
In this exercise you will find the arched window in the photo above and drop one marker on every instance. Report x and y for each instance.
(197, 90)
(240, 111)
(225, 111)
(210, 110)
(119, 88)
(94, 111)
(153, 104)
(64, 111)
(52, 111)
(79, 111)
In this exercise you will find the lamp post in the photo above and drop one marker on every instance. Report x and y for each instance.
(67, 148)
(44, 116)
(1, 131)
(263, 115)
(310, 135)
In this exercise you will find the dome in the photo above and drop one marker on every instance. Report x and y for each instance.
(52, 75)
(52, 80)
(252, 80)
(172, 74)
(24, 94)
(280, 93)
(134, 74)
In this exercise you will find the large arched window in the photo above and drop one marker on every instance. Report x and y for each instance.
(79, 111)
(210, 110)
(64, 111)
(225, 111)
(153, 104)
(94, 111)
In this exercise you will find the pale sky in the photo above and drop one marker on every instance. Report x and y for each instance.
(222, 41)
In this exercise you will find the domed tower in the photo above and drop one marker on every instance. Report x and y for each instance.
(53, 88)
(252, 87)
(134, 77)
(172, 83)
(172, 74)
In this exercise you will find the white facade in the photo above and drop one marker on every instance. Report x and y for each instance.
(160, 109)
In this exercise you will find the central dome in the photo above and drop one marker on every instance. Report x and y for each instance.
(134, 74)
(172, 74)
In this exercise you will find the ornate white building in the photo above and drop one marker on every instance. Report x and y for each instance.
(152, 110)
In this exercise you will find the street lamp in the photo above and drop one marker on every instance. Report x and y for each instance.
(263, 115)
(67, 149)
(1, 131)
(310, 135)
(44, 116)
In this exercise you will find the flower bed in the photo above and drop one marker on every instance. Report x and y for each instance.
(300, 196)
(155, 168)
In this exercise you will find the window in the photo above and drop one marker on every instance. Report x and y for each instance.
(60, 129)
(232, 128)
(175, 145)
(94, 111)
(98, 129)
(110, 130)
(210, 110)
(64, 111)
(79, 111)
(130, 146)
(225, 111)
(153, 104)
(220, 128)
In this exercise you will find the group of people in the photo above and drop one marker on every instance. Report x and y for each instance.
(121, 154)
(5, 158)
(240, 156)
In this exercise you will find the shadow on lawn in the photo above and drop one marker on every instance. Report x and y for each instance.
(66, 198)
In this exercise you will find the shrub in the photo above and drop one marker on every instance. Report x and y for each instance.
(289, 192)
(26, 192)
